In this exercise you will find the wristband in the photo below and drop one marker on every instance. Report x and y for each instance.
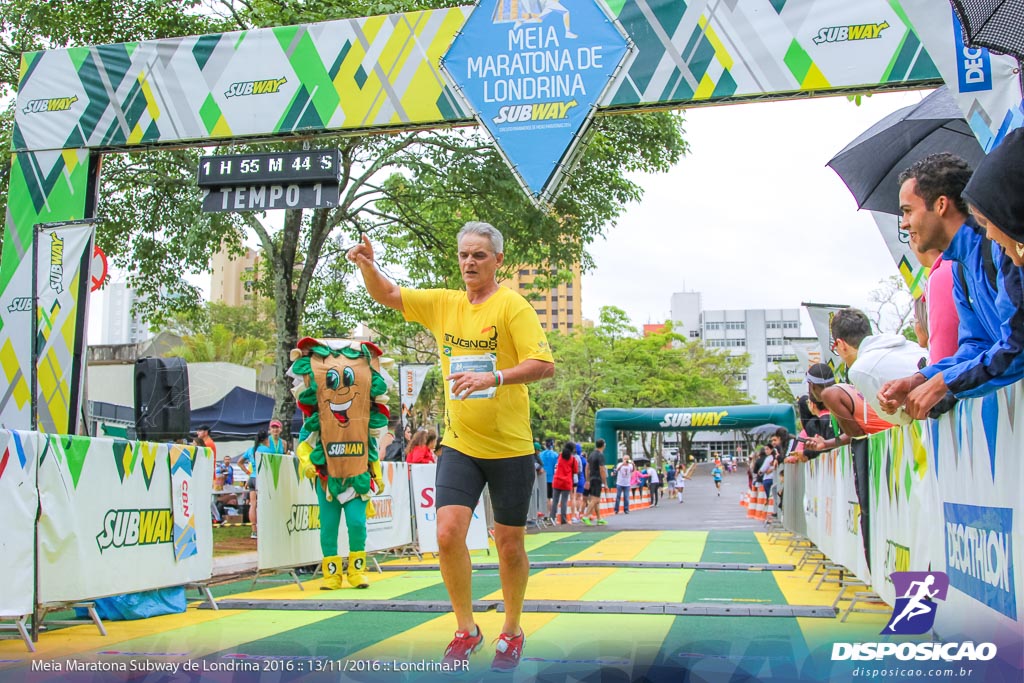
(500, 377)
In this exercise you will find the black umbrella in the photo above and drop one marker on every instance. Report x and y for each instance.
(871, 164)
(995, 24)
(766, 430)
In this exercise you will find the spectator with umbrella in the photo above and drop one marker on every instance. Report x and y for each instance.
(989, 295)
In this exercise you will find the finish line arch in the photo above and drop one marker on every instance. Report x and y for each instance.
(608, 422)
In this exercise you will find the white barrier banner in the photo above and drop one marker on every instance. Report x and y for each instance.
(902, 503)
(107, 520)
(18, 454)
(833, 511)
(945, 496)
(423, 477)
(288, 514)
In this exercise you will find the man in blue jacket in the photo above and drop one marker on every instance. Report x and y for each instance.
(549, 458)
(986, 291)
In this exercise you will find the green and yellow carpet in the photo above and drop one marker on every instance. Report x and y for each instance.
(720, 636)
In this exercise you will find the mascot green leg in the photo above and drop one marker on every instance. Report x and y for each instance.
(355, 523)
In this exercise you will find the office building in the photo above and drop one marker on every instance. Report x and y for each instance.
(232, 277)
(120, 324)
(759, 333)
(559, 308)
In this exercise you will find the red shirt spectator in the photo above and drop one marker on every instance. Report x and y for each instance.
(422, 447)
(564, 469)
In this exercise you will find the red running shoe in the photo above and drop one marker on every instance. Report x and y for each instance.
(461, 647)
(508, 652)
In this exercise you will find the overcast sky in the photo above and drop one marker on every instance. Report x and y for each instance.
(751, 218)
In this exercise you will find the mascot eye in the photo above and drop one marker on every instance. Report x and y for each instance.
(349, 377)
(333, 379)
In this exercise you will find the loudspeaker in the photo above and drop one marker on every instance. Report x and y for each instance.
(162, 407)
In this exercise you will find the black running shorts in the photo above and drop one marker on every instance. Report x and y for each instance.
(461, 479)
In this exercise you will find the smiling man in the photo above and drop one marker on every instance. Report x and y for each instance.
(935, 215)
(491, 345)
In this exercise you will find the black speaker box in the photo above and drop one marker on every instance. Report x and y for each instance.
(162, 406)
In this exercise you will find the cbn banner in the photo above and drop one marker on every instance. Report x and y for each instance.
(423, 477)
(107, 525)
(289, 514)
(18, 455)
(63, 279)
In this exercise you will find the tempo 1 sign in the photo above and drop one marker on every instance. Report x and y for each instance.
(266, 197)
(270, 180)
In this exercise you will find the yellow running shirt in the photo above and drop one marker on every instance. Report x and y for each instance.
(498, 334)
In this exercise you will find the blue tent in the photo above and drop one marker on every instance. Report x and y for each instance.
(239, 415)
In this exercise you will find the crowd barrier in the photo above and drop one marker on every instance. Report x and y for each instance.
(115, 517)
(288, 514)
(18, 456)
(944, 495)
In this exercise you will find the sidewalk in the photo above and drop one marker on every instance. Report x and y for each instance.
(236, 563)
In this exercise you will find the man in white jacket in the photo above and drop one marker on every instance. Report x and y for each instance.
(873, 360)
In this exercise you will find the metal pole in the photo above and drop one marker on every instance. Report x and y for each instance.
(34, 378)
(34, 372)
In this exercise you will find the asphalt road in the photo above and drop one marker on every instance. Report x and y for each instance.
(702, 508)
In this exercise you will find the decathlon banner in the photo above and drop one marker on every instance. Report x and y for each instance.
(987, 86)
(903, 506)
(976, 457)
(422, 477)
(18, 454)
(63, 280)
(107, 524)
(288, 514)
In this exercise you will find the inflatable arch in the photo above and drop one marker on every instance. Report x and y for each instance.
(609, 421)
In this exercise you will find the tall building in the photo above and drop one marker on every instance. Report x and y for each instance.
(760, 333)
(560, 308)
(230, 281)
(120, 325)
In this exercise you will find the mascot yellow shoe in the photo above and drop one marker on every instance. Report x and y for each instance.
(356, 567)
(332, 573)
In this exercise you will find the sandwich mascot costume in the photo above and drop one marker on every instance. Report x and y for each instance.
(342, 394)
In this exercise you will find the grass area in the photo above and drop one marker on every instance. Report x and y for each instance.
(230, 540)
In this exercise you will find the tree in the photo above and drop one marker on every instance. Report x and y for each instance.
(221, 345)
(611, 365)
(411, 191)
(30, 25)
(778, 387)
(895, 305)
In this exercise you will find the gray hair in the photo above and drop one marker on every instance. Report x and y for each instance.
(486, 230)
